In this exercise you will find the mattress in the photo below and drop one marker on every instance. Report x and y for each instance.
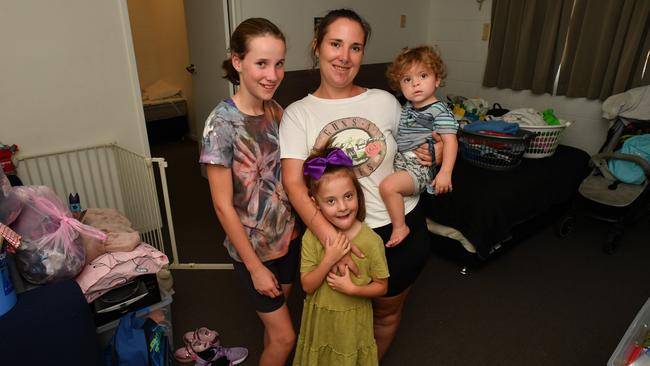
(158, 109)
(487, 206)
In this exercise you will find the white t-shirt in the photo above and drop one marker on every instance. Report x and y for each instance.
(364, 126)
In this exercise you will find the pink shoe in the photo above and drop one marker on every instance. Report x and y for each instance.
(185, 354)
(202, 334)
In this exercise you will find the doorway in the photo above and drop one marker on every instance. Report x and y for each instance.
(179, 46)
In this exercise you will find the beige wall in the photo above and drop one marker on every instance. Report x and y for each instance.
(454, 25)
(67, 76)
(296, 19)
(160, 42)
(458, 33)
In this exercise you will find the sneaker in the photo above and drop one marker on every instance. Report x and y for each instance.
(235, 355)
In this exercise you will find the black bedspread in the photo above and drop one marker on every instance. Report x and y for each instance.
(485, 205)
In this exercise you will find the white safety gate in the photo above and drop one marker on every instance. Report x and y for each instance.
(109, 176)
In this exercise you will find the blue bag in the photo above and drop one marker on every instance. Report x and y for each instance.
(157, 343)
(129, 344)
(627, 171)
(138, 341)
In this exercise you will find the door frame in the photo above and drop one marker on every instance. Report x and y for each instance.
(232, 13)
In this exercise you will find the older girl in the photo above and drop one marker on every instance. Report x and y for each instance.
(240, 149)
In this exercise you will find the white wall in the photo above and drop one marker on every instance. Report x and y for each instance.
(456, 26)
(68, 78)
(296, 19)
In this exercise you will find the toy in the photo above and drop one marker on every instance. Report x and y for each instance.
(550, 118)
(75, 205)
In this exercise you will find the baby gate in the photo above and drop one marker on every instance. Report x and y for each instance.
(109, 176)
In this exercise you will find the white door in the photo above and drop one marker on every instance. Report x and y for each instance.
(206, 23)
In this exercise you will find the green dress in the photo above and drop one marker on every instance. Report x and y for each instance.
(336, 329)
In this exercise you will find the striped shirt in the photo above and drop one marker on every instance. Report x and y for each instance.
(416, 124)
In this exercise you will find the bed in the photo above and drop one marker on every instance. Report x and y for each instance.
(164, 108)
(166, 118)
(489, 209)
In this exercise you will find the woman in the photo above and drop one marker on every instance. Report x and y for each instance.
(362, 122)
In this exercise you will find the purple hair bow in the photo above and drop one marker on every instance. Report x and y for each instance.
(316, 167)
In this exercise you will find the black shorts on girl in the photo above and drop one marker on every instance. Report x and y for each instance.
(284, 269)
(407, 259)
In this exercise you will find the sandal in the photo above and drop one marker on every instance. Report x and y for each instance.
(202, 334)
(185, 354)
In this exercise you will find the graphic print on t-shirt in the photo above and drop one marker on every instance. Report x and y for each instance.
(361, 140)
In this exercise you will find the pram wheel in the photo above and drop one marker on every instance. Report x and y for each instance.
(564, 226)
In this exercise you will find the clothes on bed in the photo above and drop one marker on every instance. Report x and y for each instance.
(249, 146)
(364, 126)
(337, 329)
(634, 103)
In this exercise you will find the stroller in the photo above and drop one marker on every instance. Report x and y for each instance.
(605, 197)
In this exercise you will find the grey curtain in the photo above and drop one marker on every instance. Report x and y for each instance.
(606, 48)
(607, 44)
(526, 43)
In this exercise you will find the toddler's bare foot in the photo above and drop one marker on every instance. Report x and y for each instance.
(398, 234)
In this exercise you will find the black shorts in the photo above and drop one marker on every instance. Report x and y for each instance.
(284, 269)
(407, 259)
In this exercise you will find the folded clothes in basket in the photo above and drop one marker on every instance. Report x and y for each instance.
(494, 125)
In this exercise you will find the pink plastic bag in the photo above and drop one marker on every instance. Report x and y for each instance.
(50, 250)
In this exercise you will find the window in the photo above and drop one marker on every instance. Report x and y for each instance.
(577, 48)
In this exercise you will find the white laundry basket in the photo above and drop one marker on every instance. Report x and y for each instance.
(545, 143)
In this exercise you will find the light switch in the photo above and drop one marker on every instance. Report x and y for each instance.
(402, 21)
(486, 32)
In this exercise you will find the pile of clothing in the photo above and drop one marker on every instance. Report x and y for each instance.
(101, 250)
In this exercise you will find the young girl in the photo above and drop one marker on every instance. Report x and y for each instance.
(240, 149)
(337, 322)
(418, 73)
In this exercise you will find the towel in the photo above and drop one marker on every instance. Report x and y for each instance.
(498, 126)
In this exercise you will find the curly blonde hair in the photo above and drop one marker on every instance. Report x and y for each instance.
(428, 56)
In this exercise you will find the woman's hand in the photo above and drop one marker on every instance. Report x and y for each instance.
(341, 283)
(423, 154)
(336, 249)
(265, 282)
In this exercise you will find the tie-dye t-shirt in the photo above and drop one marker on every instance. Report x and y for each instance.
(249, 146)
